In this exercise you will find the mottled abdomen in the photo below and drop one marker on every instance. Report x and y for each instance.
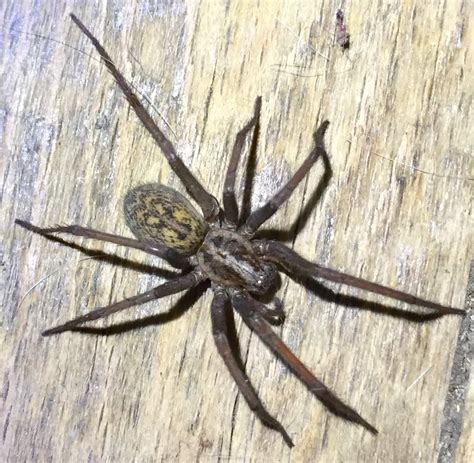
(160, 214)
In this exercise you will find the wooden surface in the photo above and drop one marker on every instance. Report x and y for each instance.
(398, 211)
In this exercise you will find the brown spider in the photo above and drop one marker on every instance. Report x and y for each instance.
(221, 248)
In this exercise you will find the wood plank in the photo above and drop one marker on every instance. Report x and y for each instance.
(398, 211)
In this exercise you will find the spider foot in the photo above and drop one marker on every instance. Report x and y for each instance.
(319, 134)
(28, 226)
(46, 231)
(56, 330)
(278, 427)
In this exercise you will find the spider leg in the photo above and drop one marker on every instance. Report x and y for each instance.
(168, 254)
(221, 337)
(230, 203)
(207, 202)
(295, 264)
(274, 315)
(258, 217)
(170, 287)
(248, 309)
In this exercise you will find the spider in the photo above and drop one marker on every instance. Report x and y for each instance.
(221, 246)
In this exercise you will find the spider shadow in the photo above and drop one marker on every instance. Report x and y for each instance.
(353, 302)
(249, 175)
(233, 336)
(113, 259)
(305, 214)
(183, 305)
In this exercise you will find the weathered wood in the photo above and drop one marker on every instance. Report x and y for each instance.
(398, 211)
(457, 438)
(466, 443)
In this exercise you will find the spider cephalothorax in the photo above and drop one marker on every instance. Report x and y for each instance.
(220, 246)
(229, 259)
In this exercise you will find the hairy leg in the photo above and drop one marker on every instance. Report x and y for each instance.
(221, 338)
(229, 200)
(295, 264)
(168, 254)
(258, 217)
(206, 201)
(170, 287)
(248, 309)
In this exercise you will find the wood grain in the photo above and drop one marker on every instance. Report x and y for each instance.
(398, 211)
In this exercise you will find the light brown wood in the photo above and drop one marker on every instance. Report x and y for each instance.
(398, 211)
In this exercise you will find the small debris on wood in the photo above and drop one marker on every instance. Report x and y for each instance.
(342, 34)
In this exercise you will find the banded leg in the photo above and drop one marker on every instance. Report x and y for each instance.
(229, 200)
(295, 264)
(207, 202)
(248, 309)
(221, 338)
(170, 287)
(159, 250)
(258, 217)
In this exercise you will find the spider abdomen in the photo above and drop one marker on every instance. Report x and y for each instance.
(156, 213)
(229, 259)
